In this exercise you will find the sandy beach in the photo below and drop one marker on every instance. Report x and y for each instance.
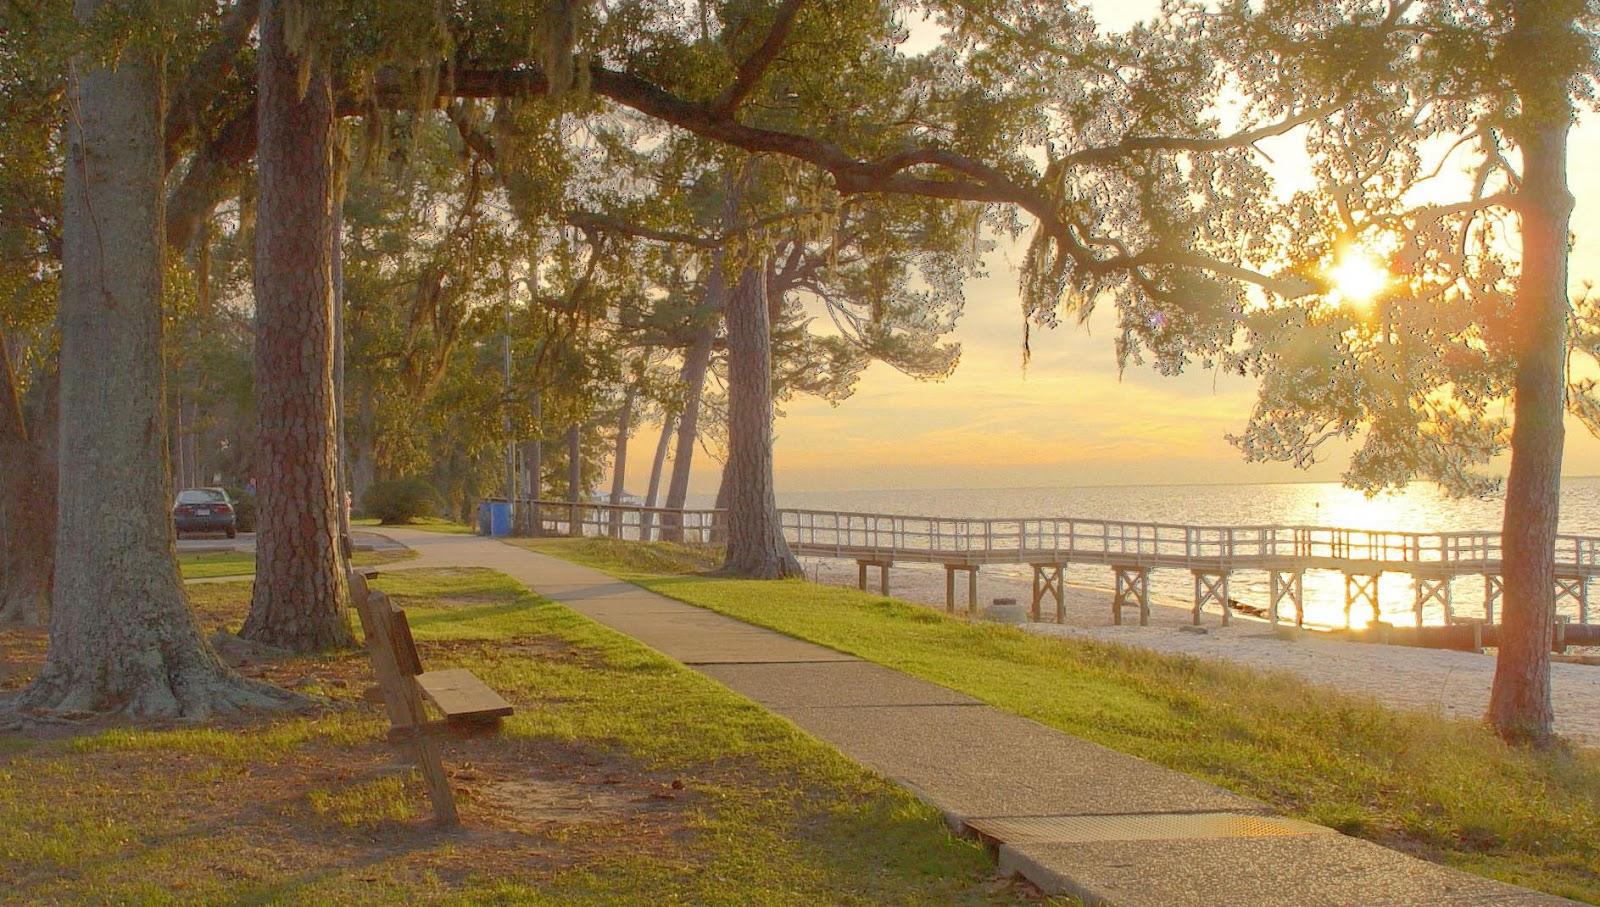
(1455, 684)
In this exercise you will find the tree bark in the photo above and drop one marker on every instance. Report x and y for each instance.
(1519, 702)
(299, 598)
(340, 434)
(696, 362)
(122, 636)
(533, 456)
(652, 495)
(619, 460)
(756, 546)
(574, 479)
(26, 508)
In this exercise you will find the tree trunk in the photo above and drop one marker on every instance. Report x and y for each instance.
(26, 542)
(341, 438)
(1519, 703)
(756, 547)
(619, 460)
(299, 597)
(122, 636)
(652, 495)
(574, 479)
(696, 362)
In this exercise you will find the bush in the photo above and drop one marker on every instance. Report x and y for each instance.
(244, 508)
(400, 500)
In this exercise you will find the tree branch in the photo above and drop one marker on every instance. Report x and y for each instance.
(207, 77)
(755, 66)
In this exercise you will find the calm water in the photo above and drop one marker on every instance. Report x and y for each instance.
(1421, 508)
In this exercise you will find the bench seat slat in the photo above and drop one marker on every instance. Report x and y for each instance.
(461, 696)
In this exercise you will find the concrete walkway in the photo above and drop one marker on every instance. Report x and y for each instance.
(1070, 816)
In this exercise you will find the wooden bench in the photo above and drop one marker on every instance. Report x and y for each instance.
(468, 705)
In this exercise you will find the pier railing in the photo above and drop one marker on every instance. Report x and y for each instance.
(1019, 540)
(848, 534)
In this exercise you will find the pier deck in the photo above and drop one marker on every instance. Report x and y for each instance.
(1131, 549)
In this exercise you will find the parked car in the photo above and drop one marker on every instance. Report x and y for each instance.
(205, 510)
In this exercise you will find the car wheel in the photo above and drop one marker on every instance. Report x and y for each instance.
(233, 533)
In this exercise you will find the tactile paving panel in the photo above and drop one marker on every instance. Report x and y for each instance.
(1141, 827)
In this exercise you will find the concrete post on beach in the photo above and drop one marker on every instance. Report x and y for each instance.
(1210, 586)
(1133, 587)
(950, 571)
(883, 574)
(1049, 579)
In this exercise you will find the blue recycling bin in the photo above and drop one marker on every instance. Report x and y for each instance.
(499, 518)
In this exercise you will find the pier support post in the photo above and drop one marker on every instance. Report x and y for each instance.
(1360, 587)
(1288, 584)
(1432, 589)
(950, 571)
(1048, 580)
(1210, 586)
(1577, 589)
(1133, 586)
(1493, 589)
(883, 574)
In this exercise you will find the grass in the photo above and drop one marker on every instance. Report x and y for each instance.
(623, 778)
(426, 523)
(1449, 791)
(213, 564)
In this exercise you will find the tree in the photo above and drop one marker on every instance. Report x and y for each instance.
(299, 597)
(756, 546)
(1546, 52)
(1468, 321)
(122, 637)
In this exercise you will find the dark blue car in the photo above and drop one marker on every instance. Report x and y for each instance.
(205, 510)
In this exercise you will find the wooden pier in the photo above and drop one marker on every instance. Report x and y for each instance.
(1049, 545)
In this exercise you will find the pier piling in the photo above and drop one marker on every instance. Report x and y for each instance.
(1133, 586)
(1048, 579)
(1210, 586)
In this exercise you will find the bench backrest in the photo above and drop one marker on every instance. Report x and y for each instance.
(385, 625)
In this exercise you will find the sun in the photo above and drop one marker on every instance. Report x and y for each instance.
(1358, 277)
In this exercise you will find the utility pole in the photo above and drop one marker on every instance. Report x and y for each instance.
(505, 410)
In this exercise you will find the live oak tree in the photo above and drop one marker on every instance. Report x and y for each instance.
(122, 637)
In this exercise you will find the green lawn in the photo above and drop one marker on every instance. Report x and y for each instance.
(623, 778)
(1446, 790)
(427, 523)
(212, 564)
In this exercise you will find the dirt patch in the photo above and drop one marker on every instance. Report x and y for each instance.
(22, 651)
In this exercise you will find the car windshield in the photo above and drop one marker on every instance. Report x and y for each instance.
(201, 496)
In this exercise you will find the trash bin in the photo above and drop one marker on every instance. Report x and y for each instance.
(484, 524)
(499, 518)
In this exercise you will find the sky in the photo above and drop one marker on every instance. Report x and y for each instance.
(1068, 418)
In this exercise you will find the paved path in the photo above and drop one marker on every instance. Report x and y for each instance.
(1071, 816)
